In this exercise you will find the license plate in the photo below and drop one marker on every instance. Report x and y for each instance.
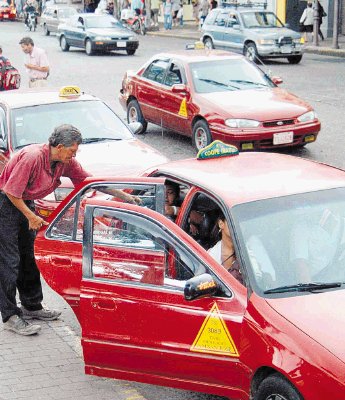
(282, 138)
(121, 44)
(286, 49)
(5, 15)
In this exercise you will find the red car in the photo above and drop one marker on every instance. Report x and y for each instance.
(210, 94)
(156, 307)
(7, 11)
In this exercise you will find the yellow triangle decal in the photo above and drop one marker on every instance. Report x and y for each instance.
(214, 337)
(183, 108)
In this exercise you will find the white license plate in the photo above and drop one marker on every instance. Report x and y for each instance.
(5, 15)
(121, 44)
(286, 49)
(282, 138)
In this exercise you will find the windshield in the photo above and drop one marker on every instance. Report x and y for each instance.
(93, 118)
(261, 19)
(227, 75)
(103, 21)
(294, 243)
(66, 12)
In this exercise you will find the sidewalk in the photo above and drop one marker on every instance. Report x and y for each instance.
(190, 31)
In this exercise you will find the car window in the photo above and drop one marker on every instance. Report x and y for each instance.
(221, 19)
(232, 20)
(156, 70)
(102, 21)
(261, 19)
(65, 12)
(174, 75)
(211, 18)
(2, 124)
(94, 118)
(131, 248)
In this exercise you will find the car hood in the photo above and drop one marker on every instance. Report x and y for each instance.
(319, 316)
(123, 157)
(258, 104)
(275, 33)
(113, 32)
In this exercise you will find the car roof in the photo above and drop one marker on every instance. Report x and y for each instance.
(188, 56)
(32, 97)
(255, 176)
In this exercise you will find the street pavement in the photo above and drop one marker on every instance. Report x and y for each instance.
(190, 31)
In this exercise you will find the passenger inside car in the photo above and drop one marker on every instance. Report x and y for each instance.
(172, 199)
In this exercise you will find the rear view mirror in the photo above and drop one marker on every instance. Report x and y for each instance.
(200, 286)
(276, 80)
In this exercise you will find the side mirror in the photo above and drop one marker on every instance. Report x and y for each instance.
(236, 27)
(287, 25)
(179, 88)
(276, 80)
(135, 127)
(80, 26)
(200, 286)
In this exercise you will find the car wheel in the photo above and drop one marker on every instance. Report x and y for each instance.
(208, 43)
(134, 114)
(136, 26)
(88, 47)
(201, 135)
(63, 44)
(251, 52)
(130, 52)
(46, 30)
(294, 59)
(276, 387)
(142, 29)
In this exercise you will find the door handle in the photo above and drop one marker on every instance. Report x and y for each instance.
(61, 261)
(104, 304)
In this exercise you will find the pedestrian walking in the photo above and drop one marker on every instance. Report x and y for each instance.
(175, 9)
(180, 14)
(321, 14)
(196, 6)
(204, 9)
(36, 63)
(167, 13)
(307, 21)
(154, 12)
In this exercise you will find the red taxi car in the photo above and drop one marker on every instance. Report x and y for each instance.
(211, 94)
(155, 307)
(108, 148)
(7, 11)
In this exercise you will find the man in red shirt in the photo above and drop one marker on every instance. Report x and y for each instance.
(33, 173)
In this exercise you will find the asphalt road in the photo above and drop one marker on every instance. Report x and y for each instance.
(318, 79)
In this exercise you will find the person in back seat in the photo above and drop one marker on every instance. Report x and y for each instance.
(172, 199)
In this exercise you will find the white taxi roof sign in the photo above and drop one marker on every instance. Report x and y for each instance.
(70, 91)
(195, 46)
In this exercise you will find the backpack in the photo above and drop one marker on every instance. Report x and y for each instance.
(9, 76)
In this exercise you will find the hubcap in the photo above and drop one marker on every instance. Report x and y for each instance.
(208, 44)
(133, 115)
(88, 47)
(250, 53)
(276, 397)
(63, 43)
(200, 138)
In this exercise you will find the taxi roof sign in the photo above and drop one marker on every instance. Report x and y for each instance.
(217, 149)
(70, 91)
(195, 46)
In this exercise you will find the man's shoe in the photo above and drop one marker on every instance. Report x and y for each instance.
(18, 325)
(44, 314)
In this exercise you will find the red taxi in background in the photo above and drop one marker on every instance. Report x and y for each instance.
(108, 148)
(211, 94)
(7, 11)
(155, 307)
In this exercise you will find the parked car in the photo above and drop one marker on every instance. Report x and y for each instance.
(54, 15)
(108, 148)
(211, 95)
(95, 32)
(155, 307)
(256, 33)
(7, 11)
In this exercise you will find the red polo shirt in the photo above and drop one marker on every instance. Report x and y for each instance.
(28, 174)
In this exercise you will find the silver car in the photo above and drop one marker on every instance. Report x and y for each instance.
(53, 15)
(257, 33)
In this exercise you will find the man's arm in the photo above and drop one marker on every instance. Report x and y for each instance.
(35, 222)
(37, 68)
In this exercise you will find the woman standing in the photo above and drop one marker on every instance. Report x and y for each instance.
(307, 21)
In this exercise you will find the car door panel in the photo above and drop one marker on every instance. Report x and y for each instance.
(147, 329)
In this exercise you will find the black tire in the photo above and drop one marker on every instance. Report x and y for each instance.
(134, 114)
(294, 59)
(208, 43)
(63, 44)
(201, 135)
(251, 52)
(131, 52)
(89, 48)
(276, 387)
(46, 30)
(136, 26)
(142, 29)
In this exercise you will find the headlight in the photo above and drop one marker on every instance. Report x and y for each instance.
(132, 38)
(297, 41)
(309, 116)
(61, 193)
(242, 123)
(266, 41)
(102, 38)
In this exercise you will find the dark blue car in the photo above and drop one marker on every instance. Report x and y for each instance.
(96, 33)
